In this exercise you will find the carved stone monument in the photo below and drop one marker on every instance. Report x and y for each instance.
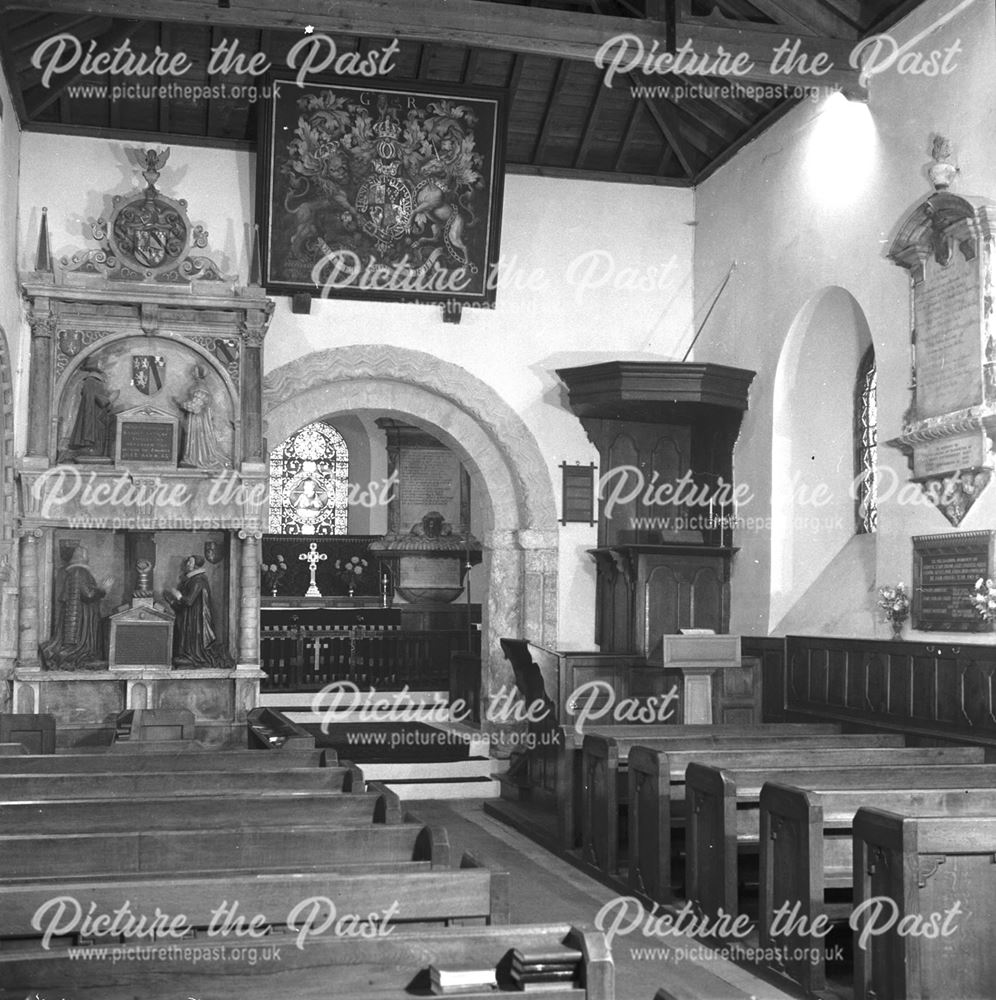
(946, 245)
(145, 425)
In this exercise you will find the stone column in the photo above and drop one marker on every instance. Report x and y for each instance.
(249, 599)
(254, 331)
(539, 585)
(29, 603)
(43, 327)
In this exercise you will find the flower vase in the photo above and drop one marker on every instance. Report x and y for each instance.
(274, 591)
(897, 629)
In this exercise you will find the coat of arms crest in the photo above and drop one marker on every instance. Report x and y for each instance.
(148, 372)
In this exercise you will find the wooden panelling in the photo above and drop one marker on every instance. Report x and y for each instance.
(928, 691)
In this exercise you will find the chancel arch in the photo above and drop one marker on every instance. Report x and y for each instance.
(507, 471)
(813, 472)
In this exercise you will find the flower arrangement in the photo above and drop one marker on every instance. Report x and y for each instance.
(273, 574)
(984, 599)
(350, 571)
(895, 602)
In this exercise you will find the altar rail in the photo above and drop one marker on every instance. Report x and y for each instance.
(308, 658)
(929, 691)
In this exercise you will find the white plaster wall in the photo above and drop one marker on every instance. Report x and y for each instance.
(590, 271)
(814, 203)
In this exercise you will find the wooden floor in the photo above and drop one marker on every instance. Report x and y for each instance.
(544, 888)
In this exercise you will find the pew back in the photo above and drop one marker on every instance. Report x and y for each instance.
(194, 760)
(722, 805)
(656, 794)
(385, 968)
(153, 852)
(198, 812)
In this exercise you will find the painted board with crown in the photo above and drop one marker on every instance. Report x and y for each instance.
(389, 193)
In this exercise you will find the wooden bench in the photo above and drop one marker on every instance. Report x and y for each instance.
(563, 783)
(657, 803)
(723, 813)
(36, 732)
(386, 968)
(604, 789)
(193, 760)
(806, 854)
(925, 866)
(21, 787)
(272, 809)
(269, 729)
(155, 852)
(300, 904)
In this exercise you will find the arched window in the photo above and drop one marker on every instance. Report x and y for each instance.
(865, 445)
(309, 482)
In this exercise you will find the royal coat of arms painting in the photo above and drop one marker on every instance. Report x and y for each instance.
(389, 192)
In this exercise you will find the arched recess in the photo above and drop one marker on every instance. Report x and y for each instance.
(505, 465)
(8, 550)
(812, 462)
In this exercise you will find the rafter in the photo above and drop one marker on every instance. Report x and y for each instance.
(538, 30)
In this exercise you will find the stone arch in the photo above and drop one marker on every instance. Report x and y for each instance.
(499, 451)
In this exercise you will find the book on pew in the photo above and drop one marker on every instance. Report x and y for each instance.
(452, 979)
(549, 970)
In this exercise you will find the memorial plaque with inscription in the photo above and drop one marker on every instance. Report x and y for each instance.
(429, 480)
(948, 322)
(945, 568)
(146, 436)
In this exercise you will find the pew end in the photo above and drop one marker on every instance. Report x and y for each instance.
(501, 889)
(711, 838)
(387, 809)
(650, 818)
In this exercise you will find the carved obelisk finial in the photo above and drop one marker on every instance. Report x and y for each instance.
(43, 262)
(942, 171)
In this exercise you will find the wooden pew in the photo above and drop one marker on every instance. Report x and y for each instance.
(157, 852)
(13, 750)
(270, 729)
(806, 850)
(564, 782)
(22, 787)
(925, 866)
(272, 809)
(723, 813)
(656, 799)
(605, 760)
(385, 968)
(120, 763)
(303, 904)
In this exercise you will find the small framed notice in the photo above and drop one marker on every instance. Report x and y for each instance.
(945, 568)
(578, 494)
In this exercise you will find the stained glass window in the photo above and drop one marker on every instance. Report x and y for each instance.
(309, 482)
(865, 445)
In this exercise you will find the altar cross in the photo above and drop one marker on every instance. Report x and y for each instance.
(313, 557)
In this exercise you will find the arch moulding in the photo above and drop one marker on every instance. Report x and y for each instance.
(501, 454)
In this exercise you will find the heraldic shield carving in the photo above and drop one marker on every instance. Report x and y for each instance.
(148, 236)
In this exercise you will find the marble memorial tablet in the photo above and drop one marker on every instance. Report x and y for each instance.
(945, 568)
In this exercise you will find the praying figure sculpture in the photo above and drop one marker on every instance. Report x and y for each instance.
(195, 642)
(90, 439)
(76, 642)
(200, 442)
